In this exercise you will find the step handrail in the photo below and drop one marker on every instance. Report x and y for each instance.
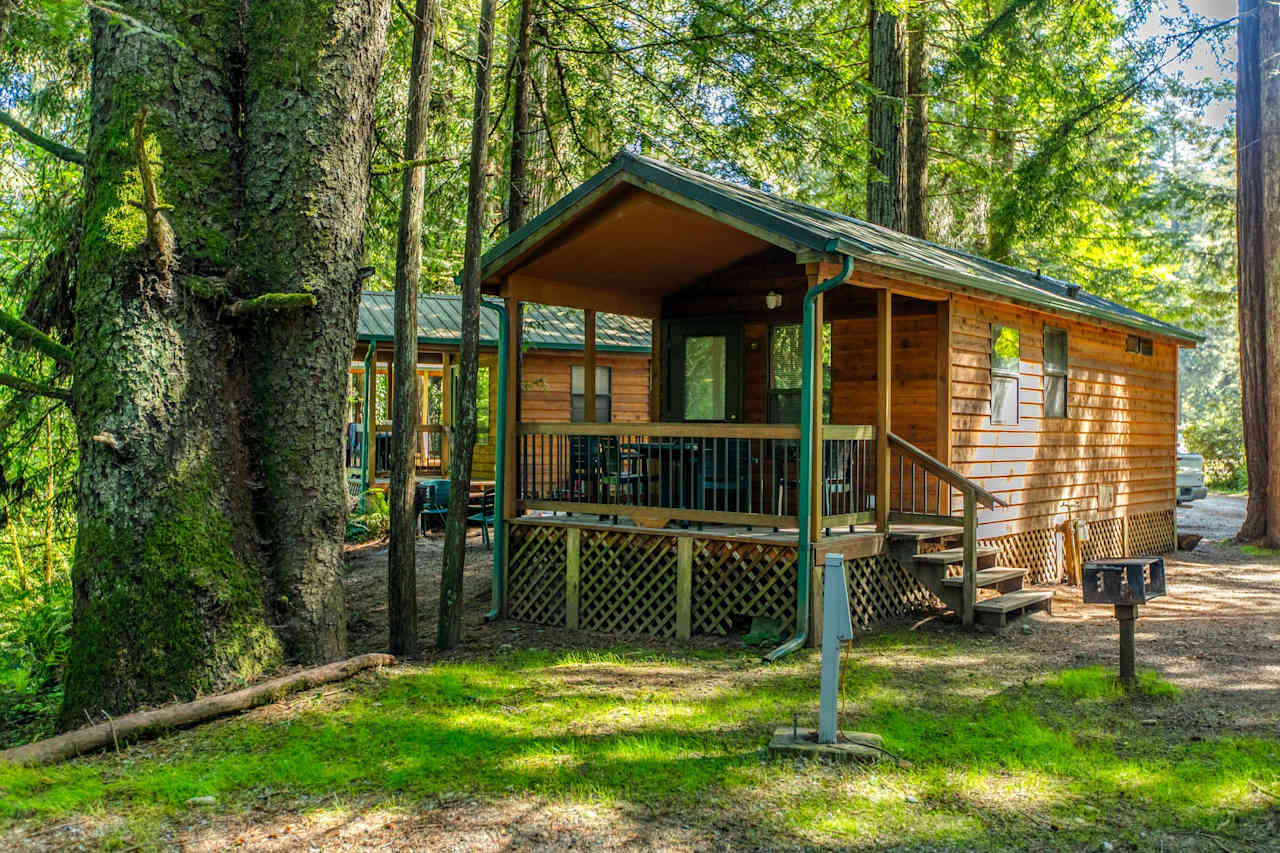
(942, 472)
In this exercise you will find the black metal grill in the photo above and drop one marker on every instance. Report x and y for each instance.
(1123, 581)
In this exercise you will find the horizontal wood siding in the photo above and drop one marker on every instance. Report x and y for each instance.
(1120, 430)
(546, 391)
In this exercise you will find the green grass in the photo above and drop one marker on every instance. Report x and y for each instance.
(1058, 760)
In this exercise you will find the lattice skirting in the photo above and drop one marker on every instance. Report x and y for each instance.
(628, 582)
(1037, 551)
(1151, 533)
(880, 589)
(1106, 540)
(535, 574)
(734, 581)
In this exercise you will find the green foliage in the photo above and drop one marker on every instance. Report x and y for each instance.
(373, 520)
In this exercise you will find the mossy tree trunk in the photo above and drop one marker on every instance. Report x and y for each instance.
(886, 117)
(227, 158)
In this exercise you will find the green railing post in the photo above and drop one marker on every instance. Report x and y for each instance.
(500, 462)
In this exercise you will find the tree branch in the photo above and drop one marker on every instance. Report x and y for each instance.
(37, 389)
(272, 302)
(392, 168)
(22, 331)
(57, 149)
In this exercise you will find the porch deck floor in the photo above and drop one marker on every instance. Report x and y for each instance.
(840, 538)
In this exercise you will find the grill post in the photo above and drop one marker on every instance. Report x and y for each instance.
(1127, 615)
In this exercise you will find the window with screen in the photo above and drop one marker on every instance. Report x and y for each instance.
(1138, 345)
(482, 403)
(1055, 373)
(577, 392)
(1006, 365)
(786, 362)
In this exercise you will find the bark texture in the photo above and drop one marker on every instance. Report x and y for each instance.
(518, 190)
(917, 177)
(1269, 142)
(449, 629)
(1251, 274)
(210, 501)
(886, 119)
(402, 567)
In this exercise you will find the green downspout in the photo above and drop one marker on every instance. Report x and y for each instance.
(366, 447)
(499, 473)
(803, 507)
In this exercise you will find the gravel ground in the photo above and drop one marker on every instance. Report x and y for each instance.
(1215, 517)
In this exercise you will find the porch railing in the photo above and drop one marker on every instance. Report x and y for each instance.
(848, 475)
(427, 451)
(924, 491)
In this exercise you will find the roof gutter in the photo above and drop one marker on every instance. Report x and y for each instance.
(804, 508)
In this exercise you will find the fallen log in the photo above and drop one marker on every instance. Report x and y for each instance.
(134, 727)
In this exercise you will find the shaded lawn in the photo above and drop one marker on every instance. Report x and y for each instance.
(1060, 760)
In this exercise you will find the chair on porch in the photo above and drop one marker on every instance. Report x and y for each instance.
(726, 471)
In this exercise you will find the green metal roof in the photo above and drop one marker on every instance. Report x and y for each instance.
(794, 225)
(545, 326)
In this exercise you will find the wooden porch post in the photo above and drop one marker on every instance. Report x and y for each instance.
(655, 370)
(589, 366)
(944, 401)
(884, 385)
(815, 462)
(446, 409)
(508, 474)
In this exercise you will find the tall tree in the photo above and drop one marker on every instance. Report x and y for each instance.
(886, 117)
(449, 630)
(406, 414)
(226, 176)
(917, 165)
(1258, 238)
(518, 194)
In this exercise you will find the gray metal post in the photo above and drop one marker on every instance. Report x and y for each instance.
(1127, 614)
(837, 627)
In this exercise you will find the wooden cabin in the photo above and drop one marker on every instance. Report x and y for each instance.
(552, 379)
(932, 416)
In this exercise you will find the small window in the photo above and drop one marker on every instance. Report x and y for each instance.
(1006, 365)
(577, 392)
(785, 366)
(1138, 345)
(1055, 373)
(482, 403)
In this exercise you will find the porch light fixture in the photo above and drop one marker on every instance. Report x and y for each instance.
(773, 300)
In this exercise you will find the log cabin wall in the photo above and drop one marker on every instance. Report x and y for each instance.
(545, 395)
(1115, 452)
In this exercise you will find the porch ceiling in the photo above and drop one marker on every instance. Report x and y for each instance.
(625, 253)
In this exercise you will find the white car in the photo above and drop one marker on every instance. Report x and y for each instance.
(1190, 479)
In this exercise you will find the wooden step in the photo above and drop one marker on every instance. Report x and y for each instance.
(923, 532)
(954, 555)
(989, 577)
(998, 610)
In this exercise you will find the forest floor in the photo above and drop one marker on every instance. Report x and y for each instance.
(530, 738)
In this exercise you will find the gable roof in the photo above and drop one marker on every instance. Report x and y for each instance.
(796, 226)
(545, 326)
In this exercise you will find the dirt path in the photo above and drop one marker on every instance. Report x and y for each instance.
(1215, 517)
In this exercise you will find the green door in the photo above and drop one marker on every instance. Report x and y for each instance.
(704, 370)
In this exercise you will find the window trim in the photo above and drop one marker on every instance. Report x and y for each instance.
(1005, 373)
(582, 365)
(1138, 345)
(1064, 372)
(770, 392)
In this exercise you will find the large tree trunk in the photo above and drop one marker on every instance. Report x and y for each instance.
(518, 195)
(402, 563)
(886, 119)
(917, 168)
(449, 629)
(1251, 274)
(1269, 143)
(210, 503)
